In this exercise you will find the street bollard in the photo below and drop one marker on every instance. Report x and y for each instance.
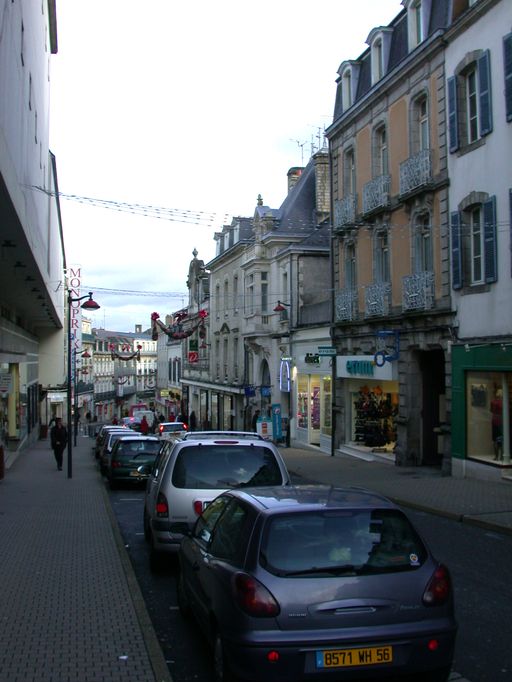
(2, 462)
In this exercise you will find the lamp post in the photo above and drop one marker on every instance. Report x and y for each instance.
(90, 304)
(83, 354)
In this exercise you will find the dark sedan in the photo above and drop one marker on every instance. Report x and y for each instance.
(129, 456)
(314, 582)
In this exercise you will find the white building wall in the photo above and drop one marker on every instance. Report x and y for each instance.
(486, 169)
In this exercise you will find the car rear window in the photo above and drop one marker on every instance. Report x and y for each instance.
(214, 466)
(173, 427)
(135, 448)
(352, 542)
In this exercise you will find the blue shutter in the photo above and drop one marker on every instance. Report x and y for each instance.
(484, 84)
(490, 255)
(507, 64)
(453, 127)
(456, 251)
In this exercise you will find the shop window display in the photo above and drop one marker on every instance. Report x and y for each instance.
(487, 422)
(374, 418)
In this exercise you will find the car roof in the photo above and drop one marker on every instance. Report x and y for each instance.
(212, 435)
(140, 436)
(314, 497)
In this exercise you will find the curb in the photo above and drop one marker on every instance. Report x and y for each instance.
(154, 650)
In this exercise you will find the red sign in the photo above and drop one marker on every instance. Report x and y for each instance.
(193, 356)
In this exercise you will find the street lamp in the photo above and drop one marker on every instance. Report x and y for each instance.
(83, 354)
(90, 304)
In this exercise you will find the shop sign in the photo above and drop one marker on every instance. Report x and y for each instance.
(364, 366)
(5, 384)
(164, 392)
(326, 350)
(193, 356)
(312, 359)
(284, 375)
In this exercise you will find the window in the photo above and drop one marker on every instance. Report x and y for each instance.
(415, 22)
(469, 101)
(350, 266)
(423, 244)
(477, 247)
(226, 299)
(507, 68)
(235, 295)
(473, 242)
(347, 89)
(264, 292)
(349, 172)
(377, 68)
(420, 135)
(249, 295)
(381, 152)
(217, 301)
(382, 273)
(229, 540)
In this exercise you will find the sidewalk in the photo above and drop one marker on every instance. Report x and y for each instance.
(482, 503)
(70, 606)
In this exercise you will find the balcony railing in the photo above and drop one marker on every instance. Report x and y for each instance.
(345, 305)
(418, 291)
(377, 298)
(345, 211)
(201, 365)
(376, 193)
(416, 172)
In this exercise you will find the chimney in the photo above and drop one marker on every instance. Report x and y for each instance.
(294, 176)
(322, 187)
(138, 329)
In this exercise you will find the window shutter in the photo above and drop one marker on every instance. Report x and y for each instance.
(507, 60)
(484, 84)
(490, 245)
(453, 127)
(456, 251)
(510, 235)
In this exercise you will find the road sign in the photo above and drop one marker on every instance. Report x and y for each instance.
(326, 350)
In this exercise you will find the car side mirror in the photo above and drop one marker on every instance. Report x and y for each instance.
(144, 469)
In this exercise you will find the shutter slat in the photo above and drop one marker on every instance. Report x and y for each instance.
(507, 66)
(484, 84)
(453, 114)
(456, 251)
(490, 254)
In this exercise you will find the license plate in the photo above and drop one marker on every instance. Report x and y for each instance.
(135, 474)
(346, 658)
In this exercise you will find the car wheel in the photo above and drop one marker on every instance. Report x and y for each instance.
(221, 669)
(183, 600)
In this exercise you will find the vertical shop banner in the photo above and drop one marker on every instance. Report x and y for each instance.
(74, 284)
(277, 427)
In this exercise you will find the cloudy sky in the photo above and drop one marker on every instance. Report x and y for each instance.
(194, 107)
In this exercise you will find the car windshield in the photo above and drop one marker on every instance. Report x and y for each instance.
(221, 467)
(344, 542)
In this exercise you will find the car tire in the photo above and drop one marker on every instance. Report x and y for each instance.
(183, 600)
(221, 669)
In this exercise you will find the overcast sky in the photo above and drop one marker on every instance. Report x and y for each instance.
(192, 106)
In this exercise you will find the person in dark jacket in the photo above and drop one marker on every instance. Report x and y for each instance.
(144, 426)
(59, 440)
(192, 421)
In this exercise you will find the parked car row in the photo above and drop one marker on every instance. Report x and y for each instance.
(287, 582)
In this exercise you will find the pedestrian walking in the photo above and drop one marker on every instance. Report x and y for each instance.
(59, 440)
(254, 421)
(144, 426)
(192, 421)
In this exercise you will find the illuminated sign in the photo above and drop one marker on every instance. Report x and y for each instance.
(284, 375)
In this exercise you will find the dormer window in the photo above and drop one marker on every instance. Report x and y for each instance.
(347, 89)
(349, 76)
(379, 41)
(418, 12)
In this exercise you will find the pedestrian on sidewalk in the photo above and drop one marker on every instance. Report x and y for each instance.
(59, 440)
(144, 426)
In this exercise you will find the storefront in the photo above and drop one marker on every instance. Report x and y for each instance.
(313, 398)
(371, 402)
(481, 408)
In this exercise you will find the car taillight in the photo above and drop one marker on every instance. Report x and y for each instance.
(439, 588)
(185, 427)
(115, 463)
(162, 508)
(198, 507)
(253, 597)
(161, 428)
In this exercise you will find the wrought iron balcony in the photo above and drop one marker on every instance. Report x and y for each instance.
(416, 172)
(345, 211)
(418, 291)
(345, 305)
(376, 193)
(377, 298)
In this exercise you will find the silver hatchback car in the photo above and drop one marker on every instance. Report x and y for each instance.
(315, 582)
(188, 474)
